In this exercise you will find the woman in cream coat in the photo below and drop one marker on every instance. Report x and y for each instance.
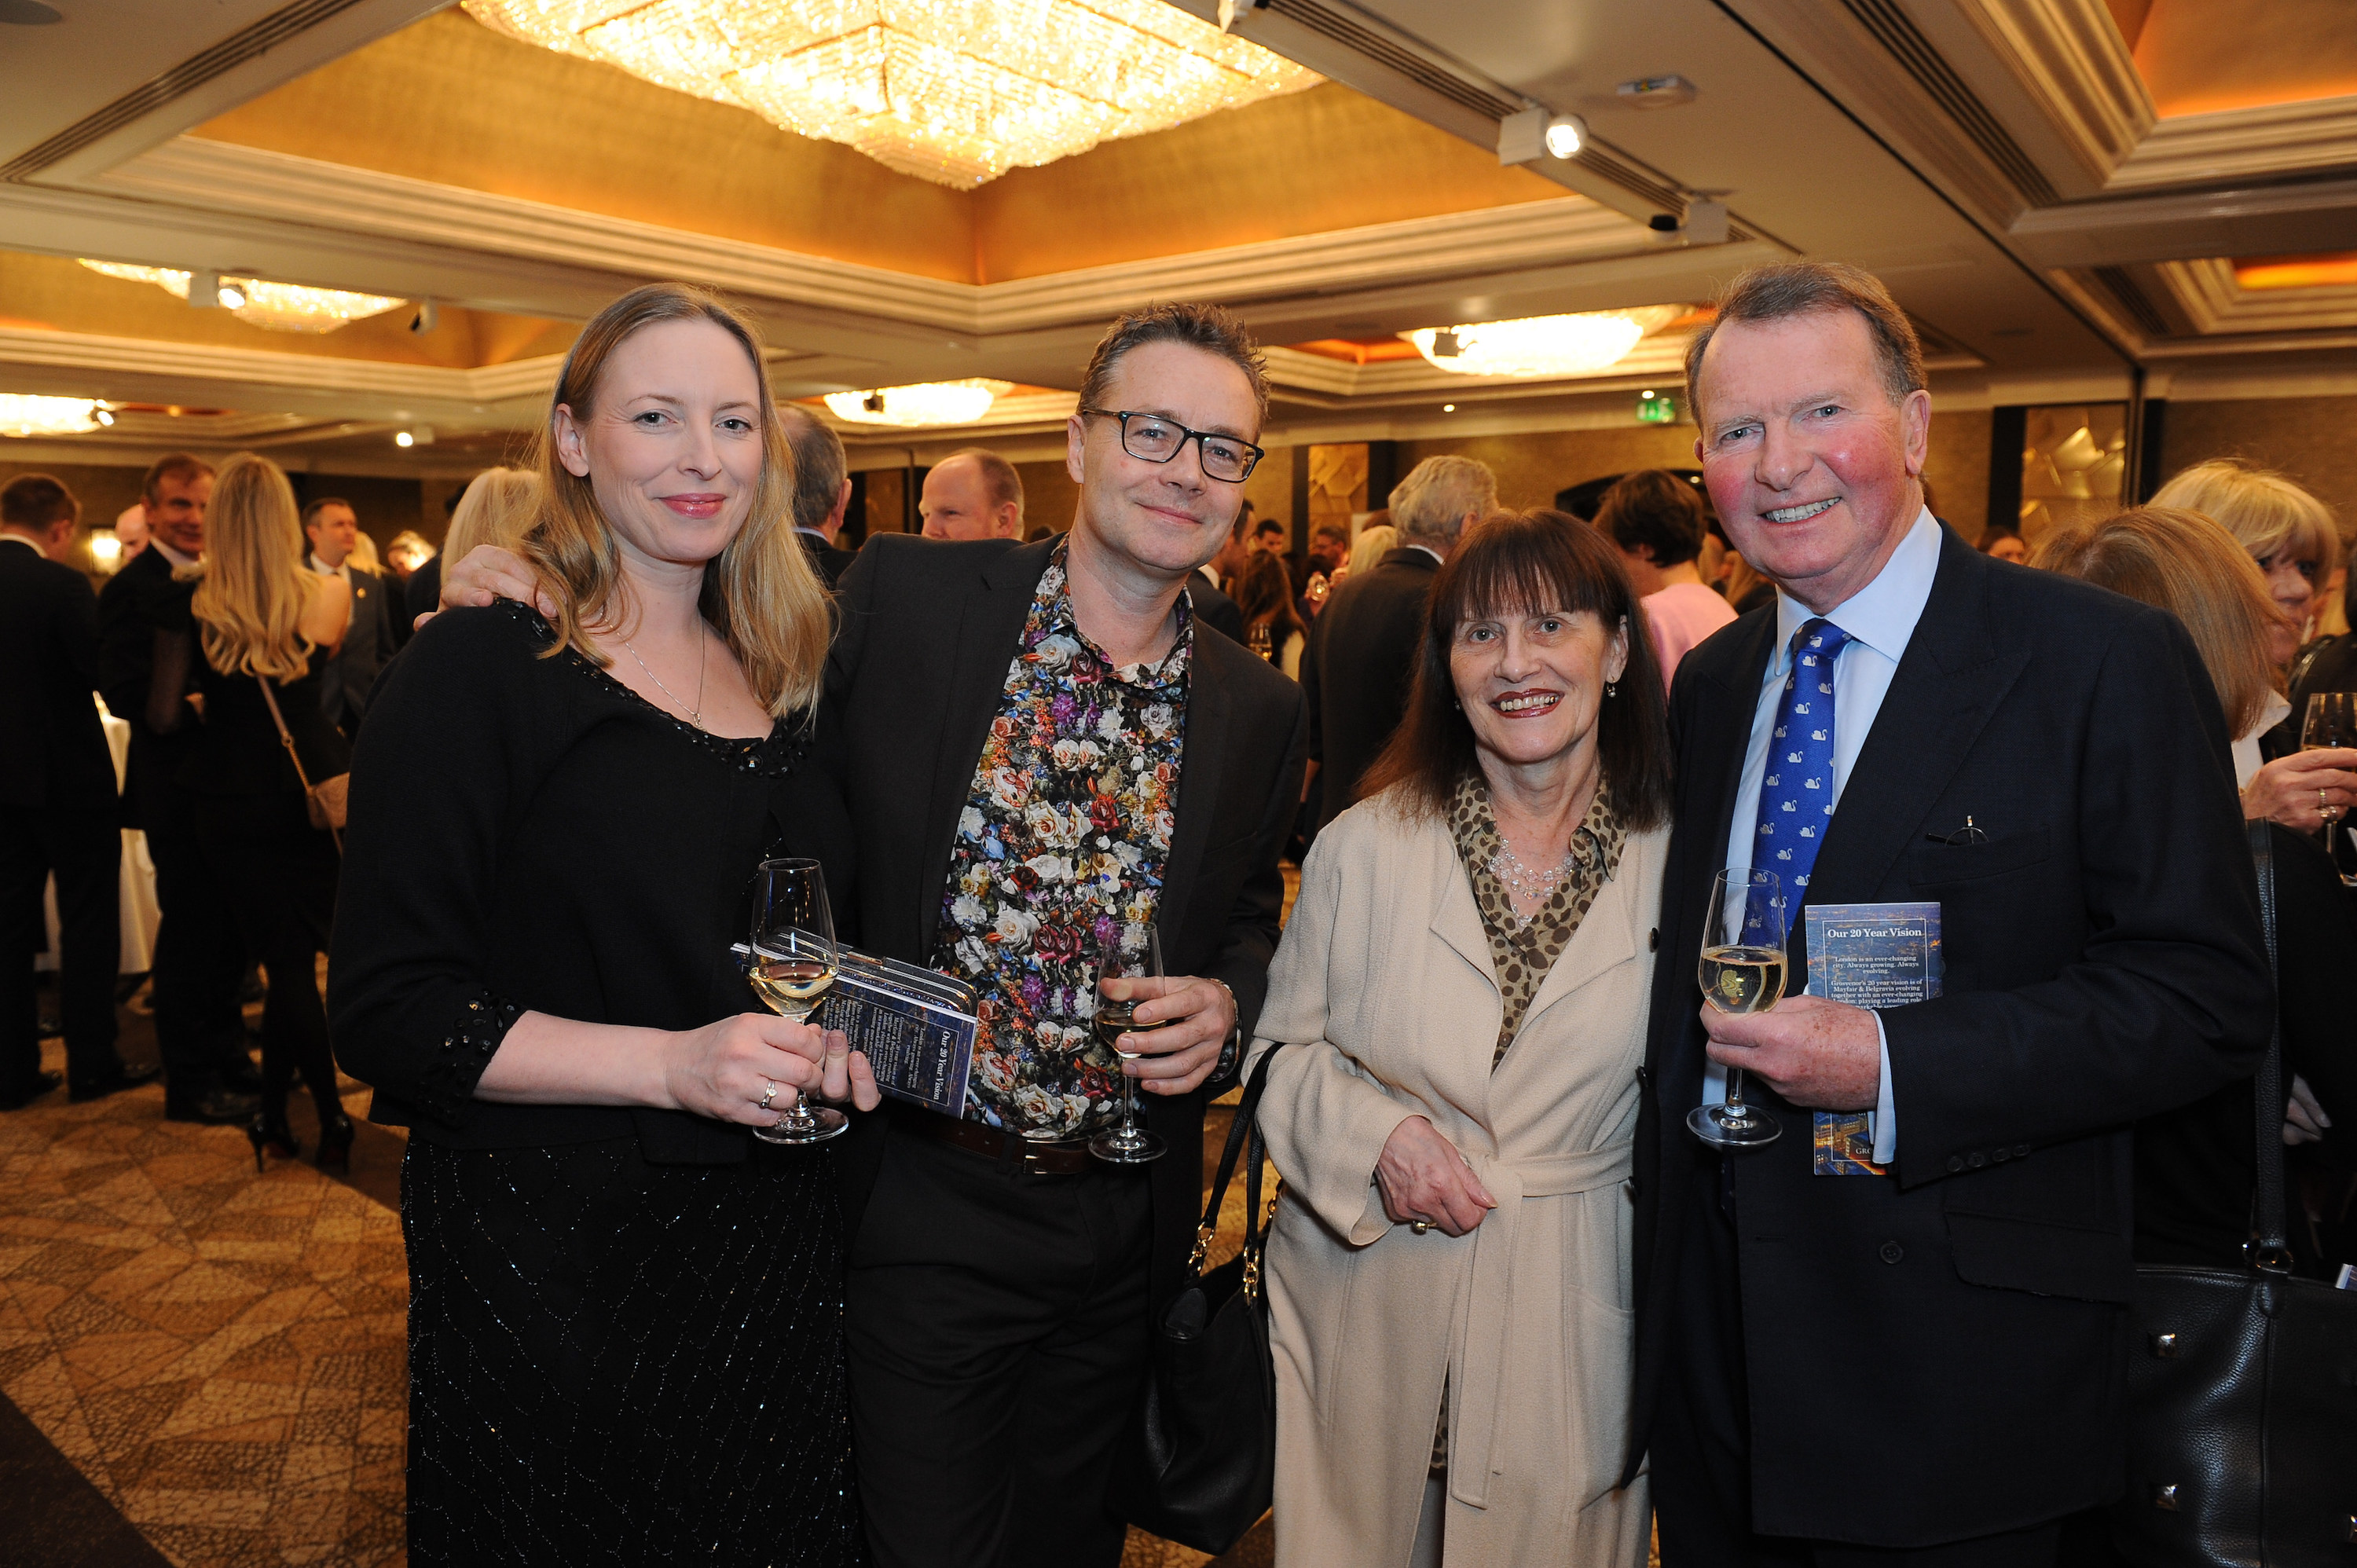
(1463, 990)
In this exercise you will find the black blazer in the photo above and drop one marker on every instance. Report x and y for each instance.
(1939, 1353)
(53, 751)
(138, 601)
(1358, 667)
(345, 680)
(829, 561)
(920, 661)
(1214, 609)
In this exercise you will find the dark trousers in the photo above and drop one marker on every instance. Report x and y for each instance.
(1701, 1449)
(84, 850)
(996, 1327)
(278, 874)
(200, 961)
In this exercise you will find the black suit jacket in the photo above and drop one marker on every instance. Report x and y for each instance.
(829, 561)
(138, 601)
(919, 662)
(1358, 667)
(1938, 1354)
(345, 680)
(1214, 609)
(53, 751)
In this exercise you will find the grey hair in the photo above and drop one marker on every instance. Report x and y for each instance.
(1431, 505)
(820, 464)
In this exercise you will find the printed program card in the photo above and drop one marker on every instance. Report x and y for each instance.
(1876, 956)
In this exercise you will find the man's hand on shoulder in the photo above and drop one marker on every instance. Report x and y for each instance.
(489, 573)
(1826, 1056)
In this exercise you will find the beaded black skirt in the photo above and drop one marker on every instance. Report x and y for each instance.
(618, 1362)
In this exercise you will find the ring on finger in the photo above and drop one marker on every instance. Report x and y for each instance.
(1419, 1226)
(769, 1092)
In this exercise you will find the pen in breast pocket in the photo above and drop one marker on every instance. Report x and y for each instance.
(1966, 834)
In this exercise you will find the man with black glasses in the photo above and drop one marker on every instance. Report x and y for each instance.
(1044, 760)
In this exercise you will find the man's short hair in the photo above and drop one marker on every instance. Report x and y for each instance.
(1338, 532)
(1268, 525)
(1808, 288)
(312, 510)
(171, 466)
(1655, 510)
(1432, 503)
(1000, 479)
(37, 501)
(819, 463)
(1204, 326)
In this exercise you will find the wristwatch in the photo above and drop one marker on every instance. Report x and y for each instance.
(1232, 1049)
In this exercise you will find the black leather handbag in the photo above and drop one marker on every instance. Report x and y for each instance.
(1199, 1464)
(2242, 1386)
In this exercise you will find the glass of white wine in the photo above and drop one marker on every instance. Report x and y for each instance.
(1742, 970)
(794, 963)
(1129, 1144)
(2329, 725)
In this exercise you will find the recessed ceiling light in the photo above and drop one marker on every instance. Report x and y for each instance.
(1449, 408)
(404, 438)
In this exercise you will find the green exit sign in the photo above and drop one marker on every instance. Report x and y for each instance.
(1657, 408)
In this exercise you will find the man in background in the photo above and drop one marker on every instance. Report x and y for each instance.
(59, 810)
(972, 493)
(334, 529)
(821, 489)
(198, 962)
(1658, 522)
(1361, 654)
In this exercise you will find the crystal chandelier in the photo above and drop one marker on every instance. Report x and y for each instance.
(22, 416)
(273, 306)
(1541, 346)
(927, 403)
(955, 91)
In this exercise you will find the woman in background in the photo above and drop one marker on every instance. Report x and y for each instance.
(498, 506)
(2286, 531)
(1375, 541)
(1657, 520)
(2194, 1164)
(264, 626)
(1466, 981)
(2004, 544)
(1264, 596)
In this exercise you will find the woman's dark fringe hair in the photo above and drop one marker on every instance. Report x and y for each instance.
(1523, 563)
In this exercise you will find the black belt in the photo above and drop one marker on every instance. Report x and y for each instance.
(1034, 1156)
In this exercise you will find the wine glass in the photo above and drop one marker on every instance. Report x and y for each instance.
(2331, 726)
(794, 961)
(1129, 1144)
(1742, 970)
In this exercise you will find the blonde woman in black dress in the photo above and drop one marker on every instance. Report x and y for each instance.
(625, 1314)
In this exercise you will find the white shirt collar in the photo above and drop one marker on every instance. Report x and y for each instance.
(324, 569)
(6, 538)
(173, 556)
(1883, 614)
(1428, 549)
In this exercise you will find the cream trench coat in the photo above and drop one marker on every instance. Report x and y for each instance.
(1384, 989)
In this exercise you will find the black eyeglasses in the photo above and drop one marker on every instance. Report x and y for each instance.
(1151, 438)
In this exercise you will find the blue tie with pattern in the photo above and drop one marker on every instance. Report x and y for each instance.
(1796, 788)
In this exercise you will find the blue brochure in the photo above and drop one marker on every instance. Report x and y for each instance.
(1869, 955)
(916, 1025)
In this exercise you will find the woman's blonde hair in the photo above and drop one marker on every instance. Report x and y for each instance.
(2267, 513)
(252, 585)
(2186, 564)
(364, 555)
(760, 593)
(498, 505)
(1375, 542)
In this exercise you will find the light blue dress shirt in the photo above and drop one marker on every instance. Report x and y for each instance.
(1879, 618)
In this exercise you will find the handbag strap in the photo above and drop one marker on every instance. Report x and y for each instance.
(1244, 1129)
(2270, 1246)
(287, 739)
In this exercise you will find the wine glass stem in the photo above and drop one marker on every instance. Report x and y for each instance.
(1735, 1106)
(1129, 1103)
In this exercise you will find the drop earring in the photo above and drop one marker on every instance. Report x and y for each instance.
(1612, 688)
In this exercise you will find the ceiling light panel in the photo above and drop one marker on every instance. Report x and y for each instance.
(1541, 348)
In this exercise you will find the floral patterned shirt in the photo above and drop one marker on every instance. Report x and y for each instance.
(1059, 853)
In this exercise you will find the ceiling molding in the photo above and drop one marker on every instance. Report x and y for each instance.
(100, 363)
(2278, 141)
(2214, 302)
(222, 177)
(2262, 220)
(2069, 55)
